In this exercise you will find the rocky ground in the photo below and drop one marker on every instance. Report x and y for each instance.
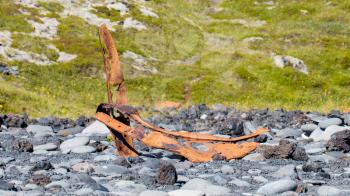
(303, 154)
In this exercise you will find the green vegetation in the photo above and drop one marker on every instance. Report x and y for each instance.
(227, 70)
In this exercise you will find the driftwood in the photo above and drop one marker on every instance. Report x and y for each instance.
(117, 117)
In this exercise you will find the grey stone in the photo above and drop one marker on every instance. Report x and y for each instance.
(153, 193)
(48, 147)
(220, 179)
(59, 184)
(340, 141)
(84, 191)
(74, 142)
(328, 191)
(311, 166)
(40, 152)
(83, 167)
(83, 149)
(316, 118)
(39, 130)
(145, 171)
(289, 133)
(108, 170)
(96, 128)
(105, 157)
(254, 157)
(278, 186)
(239, 183)
(70, 131)
(226, 169)
(260, 179)
(328, 122)
(317, 135)
(7, 186)
(254, 171)
(308, 128)
(128, 187)
(346, 118)
(206, 187)
(332, 130)
(61, 171)
(285, 171)
(181, 192)
(42, 165)
(300, 154)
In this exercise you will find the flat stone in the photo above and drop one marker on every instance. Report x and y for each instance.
(260, 179)
(239, 183)
(97, 128)
(70, 131)
(74, 142)
(331, 130)
(316, 118)
(40, 152)
(308, 127)
(58, 184)
(317, 135)
(128, 186)
(254, 171)
(328, 191)
(289, 133)
(153, 193)
(30, 186)
(83, 167)
(226, 169)
(206, 187)
(39, 130)
(285, 171)
(111, 170)
(276, 187)
(83, 149)
(183, 192)
(328, 122)
(48, 147)
(61, 171)
(254, 157)
(84, 191)
(105, 157)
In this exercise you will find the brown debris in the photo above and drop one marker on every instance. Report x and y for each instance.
(182, 143)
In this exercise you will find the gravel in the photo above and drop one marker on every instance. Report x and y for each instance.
(302, 154)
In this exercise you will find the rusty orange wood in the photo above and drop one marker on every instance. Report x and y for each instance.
(114, 77)
(168, 140)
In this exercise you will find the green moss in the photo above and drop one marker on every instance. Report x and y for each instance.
(105, 12)
(51, 6)
(34, 44)
(11, 19)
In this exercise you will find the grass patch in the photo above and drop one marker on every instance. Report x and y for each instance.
(227, 71)
(34, 44)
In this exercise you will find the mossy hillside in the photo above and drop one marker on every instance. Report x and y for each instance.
(235, 73)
